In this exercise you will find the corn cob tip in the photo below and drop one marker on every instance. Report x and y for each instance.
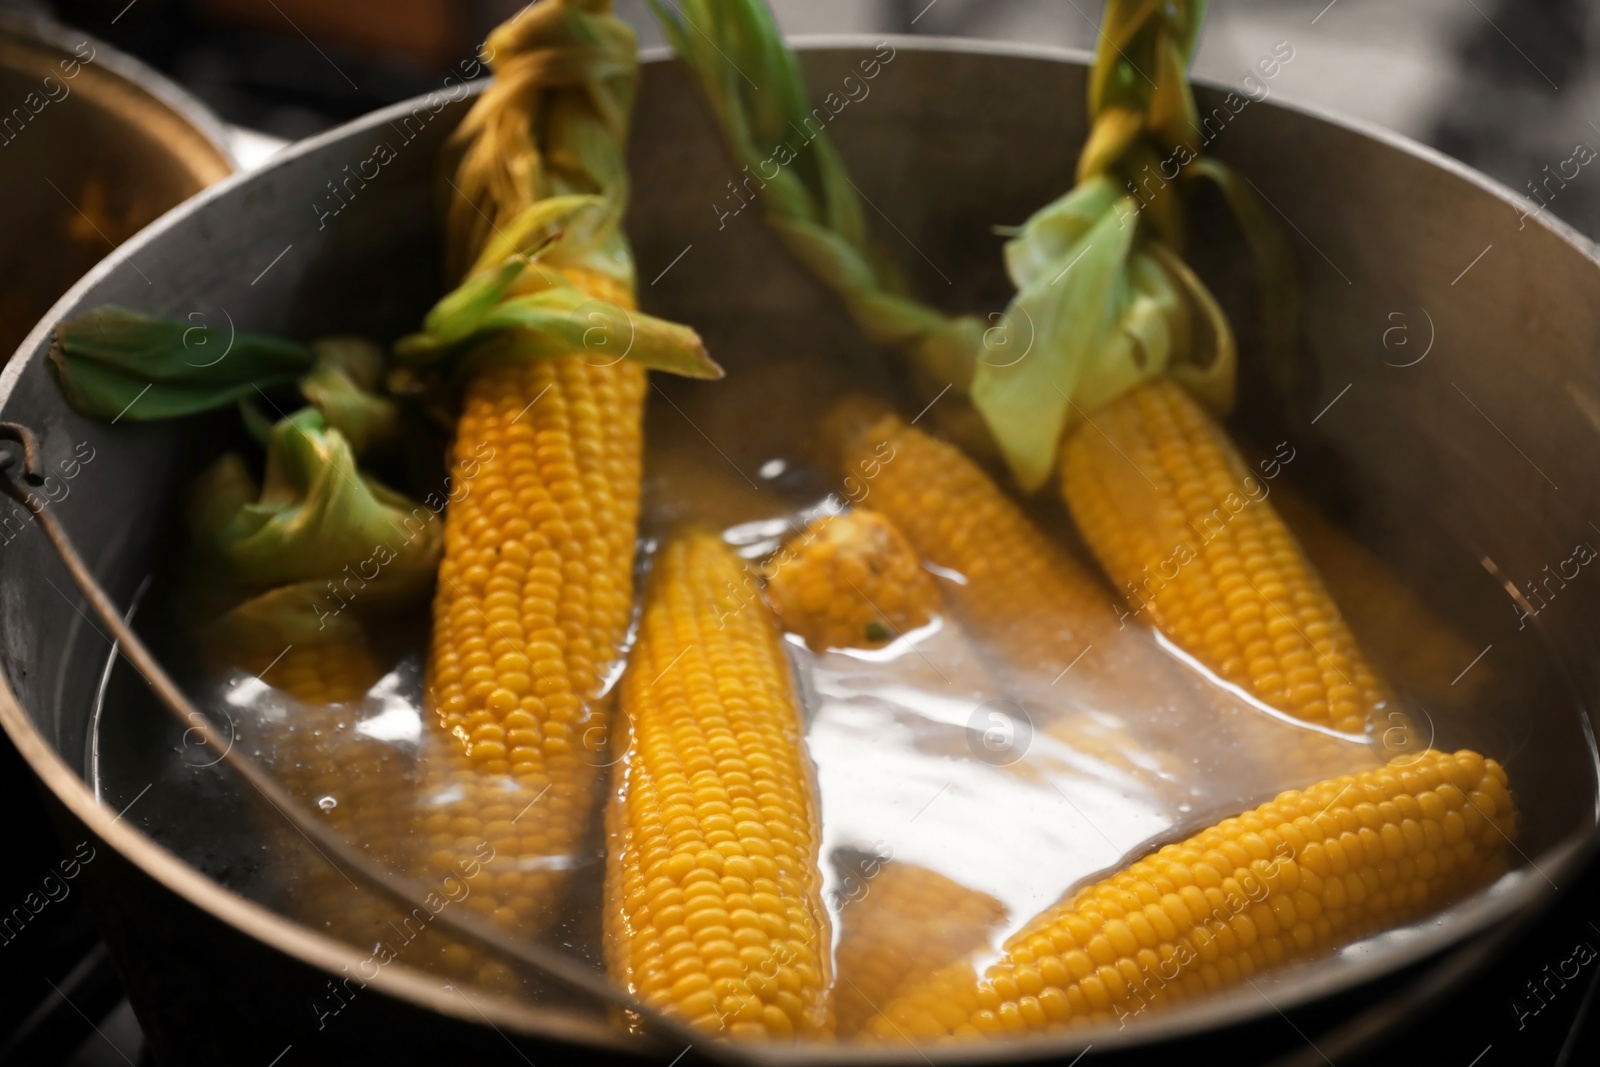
(851, 423)
(899, 922)
(850, 581)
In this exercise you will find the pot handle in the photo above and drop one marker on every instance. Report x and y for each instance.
(407, 892)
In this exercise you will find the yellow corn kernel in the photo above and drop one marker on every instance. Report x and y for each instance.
(1308, 873)
(851, 581)
(713, 902)
(1185, 530)
(899, 926)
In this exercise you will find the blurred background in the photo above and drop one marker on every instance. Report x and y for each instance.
(1507, 86)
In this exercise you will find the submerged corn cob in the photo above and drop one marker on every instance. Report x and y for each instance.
(1035, 605)
(851, 581)
(1423, 651)
(313, 746)
(908, 923)
(359, 785)
(714, 911)
(1310, 872)
(1184, 529)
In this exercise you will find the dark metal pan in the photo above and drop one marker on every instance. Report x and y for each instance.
(1457, 447)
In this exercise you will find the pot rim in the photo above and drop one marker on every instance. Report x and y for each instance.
(1511, 899)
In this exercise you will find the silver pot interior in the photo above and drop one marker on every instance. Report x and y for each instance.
(1448, 417)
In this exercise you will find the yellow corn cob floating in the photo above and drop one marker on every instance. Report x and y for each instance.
(1035, 605)
(909, 922)
(851, 581)
(714, 911)
(1303, 875)
(1039, 613)
(1184, 528)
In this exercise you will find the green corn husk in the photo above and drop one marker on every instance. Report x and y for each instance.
(485, 319)
(262, 556)
(1104, 299)
(540, 186)
(113, 363)
(732, 46)
(266, 554)
(343, 385)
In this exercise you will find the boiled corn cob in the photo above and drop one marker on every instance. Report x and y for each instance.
(357, 784)
(533, 600)
(850, 581)
(312, 745)
(714, 911)
(907, 923)
(353, 781)
(535, 588)
(1184, 529)
(1048, 622)
(1303, 875)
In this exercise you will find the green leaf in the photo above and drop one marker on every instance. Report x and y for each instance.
(1055, 229)
(480, 321)
(1208, 368)
(113, 363)
(367, 420)
(1096, 321)
(360, 359)
(544, 224)
(315, 519)
(567, 322)
(460, 313)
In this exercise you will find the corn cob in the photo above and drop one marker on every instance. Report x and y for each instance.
(535, 588)
(312, 745)
(1303, 875)
(714, 910)
(1039, 614)
(534, 596)
(910, 922)
(851, 581)
(1036, 606)
(323, 760)
(354, 782)
(1184, 528)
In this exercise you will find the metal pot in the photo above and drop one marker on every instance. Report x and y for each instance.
(1448, 454)
(93, 146)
